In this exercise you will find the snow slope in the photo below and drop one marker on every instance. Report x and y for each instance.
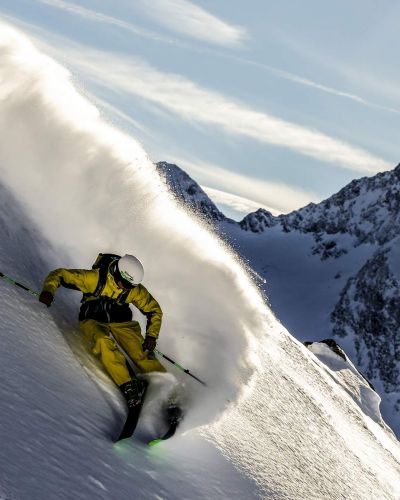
(329, 270)
(350, 292)
(272, 424)
(346, 374)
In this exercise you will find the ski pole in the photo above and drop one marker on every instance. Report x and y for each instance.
(179, 366)
(13, 282)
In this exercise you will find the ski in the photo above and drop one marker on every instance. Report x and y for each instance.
(174, 417)
(170, 432)
(132, 418)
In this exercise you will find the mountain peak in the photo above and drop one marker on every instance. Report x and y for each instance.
(258, 221)
(188, 192)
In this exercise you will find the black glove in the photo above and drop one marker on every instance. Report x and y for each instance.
(46, 298)
(149, 343)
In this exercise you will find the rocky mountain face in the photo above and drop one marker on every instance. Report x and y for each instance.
(369, 309)
(367, 208)
(188, 192)
(352, 240)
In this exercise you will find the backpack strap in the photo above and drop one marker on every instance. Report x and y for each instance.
(103, 268)
(122, 297)
(102, 281)
(103, 271)
(103, 263)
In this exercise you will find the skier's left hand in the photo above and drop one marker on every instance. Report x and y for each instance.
(46, 298)
(149, 343)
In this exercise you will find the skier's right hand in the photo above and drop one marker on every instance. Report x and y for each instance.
(149, 343)
(46, 298)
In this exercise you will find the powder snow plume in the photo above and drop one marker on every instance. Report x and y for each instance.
(277, 423)
(91, 188)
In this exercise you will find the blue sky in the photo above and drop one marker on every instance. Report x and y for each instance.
(271, 104)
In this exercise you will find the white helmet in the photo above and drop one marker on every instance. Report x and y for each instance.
(131, 269)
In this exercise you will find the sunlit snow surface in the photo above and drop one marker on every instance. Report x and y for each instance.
(273, 423)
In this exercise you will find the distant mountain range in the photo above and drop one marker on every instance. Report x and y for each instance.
(330, 269)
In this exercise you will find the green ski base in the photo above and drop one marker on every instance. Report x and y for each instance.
(153, 442)
(170, 432)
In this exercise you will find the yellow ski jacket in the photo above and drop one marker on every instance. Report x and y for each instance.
(86, 281)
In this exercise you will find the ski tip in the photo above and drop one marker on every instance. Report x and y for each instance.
(153, 442)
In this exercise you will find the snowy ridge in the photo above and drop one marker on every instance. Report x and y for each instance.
(345, 373)
(274, 423)
(367, 208)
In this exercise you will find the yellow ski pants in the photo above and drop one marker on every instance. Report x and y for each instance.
(100, 338)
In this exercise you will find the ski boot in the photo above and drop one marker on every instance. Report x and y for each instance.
(174, 415)
(133, 392)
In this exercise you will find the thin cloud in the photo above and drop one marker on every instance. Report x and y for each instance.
(117, 113)
(237, 203)
(277, 72)
(276, 197)
(377, 83)
(286, 75)
(191, 20)
(200, 105)
(177, 15)
(95, 16)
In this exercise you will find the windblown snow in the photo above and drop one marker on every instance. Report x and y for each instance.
(273, 422)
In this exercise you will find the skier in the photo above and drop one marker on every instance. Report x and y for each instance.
(105, 318)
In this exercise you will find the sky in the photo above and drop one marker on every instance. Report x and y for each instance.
(265, 104)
